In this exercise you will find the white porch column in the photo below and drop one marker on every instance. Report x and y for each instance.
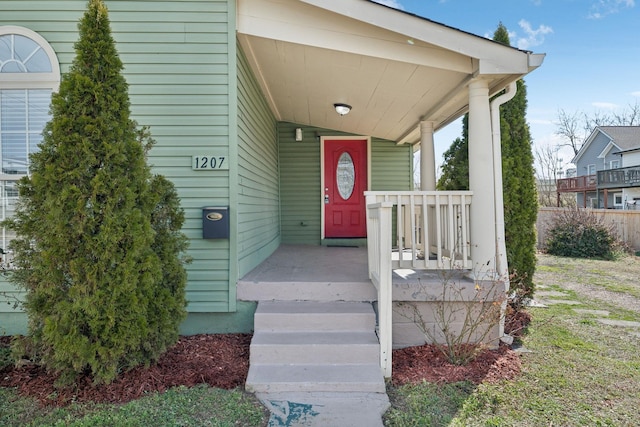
(427, 157)
(483, 218)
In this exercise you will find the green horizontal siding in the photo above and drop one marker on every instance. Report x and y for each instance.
(299, 185)
(177, 59)
(391, 166)
(8, 296)
(258, 181)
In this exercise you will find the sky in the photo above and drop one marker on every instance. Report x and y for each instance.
(592, 48)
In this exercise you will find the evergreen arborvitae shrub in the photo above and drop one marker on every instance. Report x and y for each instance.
(580, 233)
(455, 168)
(519, 184)
(518, 178)
(99, 243)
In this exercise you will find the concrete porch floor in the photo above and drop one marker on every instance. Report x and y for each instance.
(306, 263)
(310, 273)
(343, 269)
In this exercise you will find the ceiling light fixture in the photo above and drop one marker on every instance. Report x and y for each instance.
(342, 109)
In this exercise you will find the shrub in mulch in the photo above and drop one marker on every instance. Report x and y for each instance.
(427, 362)
(516, 322)
(220, 361)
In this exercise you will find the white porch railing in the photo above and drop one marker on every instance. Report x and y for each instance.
(430, 226)
(379, 252)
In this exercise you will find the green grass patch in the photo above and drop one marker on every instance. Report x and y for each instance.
(426, 404)
(181, 406)
(558, 268)
(622, 288)
(580, 372)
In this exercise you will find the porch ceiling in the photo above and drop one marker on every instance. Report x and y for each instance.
(308, 56)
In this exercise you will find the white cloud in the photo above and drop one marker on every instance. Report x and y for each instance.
(533, 37)
(391, 3)
(605, 105)
(602, 8)
(636, 93)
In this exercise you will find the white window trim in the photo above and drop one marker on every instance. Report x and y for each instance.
(612, 162)
(615, 203)
(19, 81)
(22, 81)
(32, 80)
(591, 166)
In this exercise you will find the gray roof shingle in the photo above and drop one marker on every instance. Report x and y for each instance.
(625, 137)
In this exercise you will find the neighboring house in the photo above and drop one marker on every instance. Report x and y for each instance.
(608, 169)
(248, 101)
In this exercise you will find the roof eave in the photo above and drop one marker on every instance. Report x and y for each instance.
(494, 57)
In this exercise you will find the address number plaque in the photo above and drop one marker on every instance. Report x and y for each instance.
(208, 163)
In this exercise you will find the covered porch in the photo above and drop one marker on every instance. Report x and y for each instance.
(424, 256)
(403, 78)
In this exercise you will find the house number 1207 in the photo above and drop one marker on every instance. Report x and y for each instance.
(209, 163)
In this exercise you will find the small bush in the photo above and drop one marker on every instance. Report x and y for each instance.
(580, 233)
(464, 319)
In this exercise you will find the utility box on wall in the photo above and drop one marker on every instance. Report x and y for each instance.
(215, 223)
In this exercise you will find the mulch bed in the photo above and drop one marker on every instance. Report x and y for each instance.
(516, 322)
(427, 363)
(222, 361)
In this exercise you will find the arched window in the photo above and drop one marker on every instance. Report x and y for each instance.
(29, 73)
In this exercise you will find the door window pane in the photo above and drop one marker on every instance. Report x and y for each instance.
(345, 175)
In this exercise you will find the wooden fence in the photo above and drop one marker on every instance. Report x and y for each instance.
(627, 223)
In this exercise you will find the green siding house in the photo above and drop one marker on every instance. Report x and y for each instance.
(243, 99)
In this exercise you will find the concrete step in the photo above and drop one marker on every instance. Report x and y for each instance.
(300, 290)
(314, 316)
(366, 378)
(315, 348)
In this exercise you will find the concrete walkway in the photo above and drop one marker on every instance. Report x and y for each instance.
(325, 409)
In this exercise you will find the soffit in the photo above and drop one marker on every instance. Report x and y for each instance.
(306, 58)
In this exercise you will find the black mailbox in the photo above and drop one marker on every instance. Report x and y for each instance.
(215, 223)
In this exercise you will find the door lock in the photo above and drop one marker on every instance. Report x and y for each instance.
(326, 199)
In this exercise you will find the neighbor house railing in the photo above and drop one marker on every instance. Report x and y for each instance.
(619, 178)
(577, 184)
(430, 226)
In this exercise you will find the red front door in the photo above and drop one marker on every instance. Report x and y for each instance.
(345, 181)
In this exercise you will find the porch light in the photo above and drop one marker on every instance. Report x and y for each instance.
(298, 134)
(342, 109)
